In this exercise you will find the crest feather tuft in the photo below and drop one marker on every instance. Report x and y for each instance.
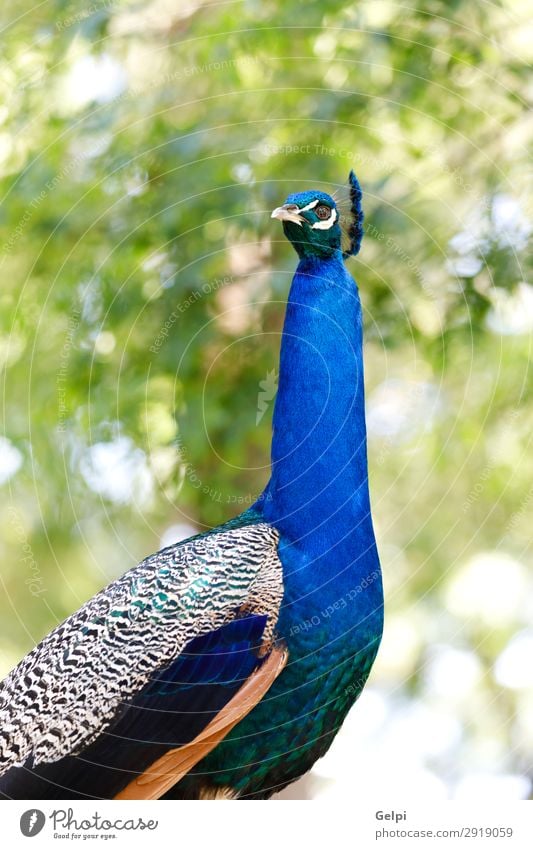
(354, 231)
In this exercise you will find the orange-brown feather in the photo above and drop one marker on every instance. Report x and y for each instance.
(170, 768)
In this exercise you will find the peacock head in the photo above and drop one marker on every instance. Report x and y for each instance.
(314, 225)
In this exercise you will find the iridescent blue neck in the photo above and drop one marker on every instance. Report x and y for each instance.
(319, 483)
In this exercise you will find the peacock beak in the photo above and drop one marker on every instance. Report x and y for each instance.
(288, 212)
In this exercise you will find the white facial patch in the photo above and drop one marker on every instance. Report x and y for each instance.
(325, 225)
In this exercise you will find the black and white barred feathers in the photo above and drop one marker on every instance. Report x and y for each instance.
(66, 691)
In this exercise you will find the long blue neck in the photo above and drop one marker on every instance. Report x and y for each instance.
(318, 491)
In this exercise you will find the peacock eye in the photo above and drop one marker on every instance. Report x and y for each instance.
(322, 212)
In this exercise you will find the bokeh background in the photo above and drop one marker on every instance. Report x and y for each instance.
(142, 147)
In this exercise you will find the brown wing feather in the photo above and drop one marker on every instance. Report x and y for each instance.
(172, 766)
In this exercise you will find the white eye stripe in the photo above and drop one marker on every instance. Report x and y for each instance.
(325, 225)
(309, 206)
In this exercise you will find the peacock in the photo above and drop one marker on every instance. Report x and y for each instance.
(223, 666)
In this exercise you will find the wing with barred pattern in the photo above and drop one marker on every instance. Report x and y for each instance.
(69, 689)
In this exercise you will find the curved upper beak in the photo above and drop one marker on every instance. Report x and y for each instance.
(288, 212)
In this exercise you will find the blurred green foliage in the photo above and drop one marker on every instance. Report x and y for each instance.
(142, 147)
